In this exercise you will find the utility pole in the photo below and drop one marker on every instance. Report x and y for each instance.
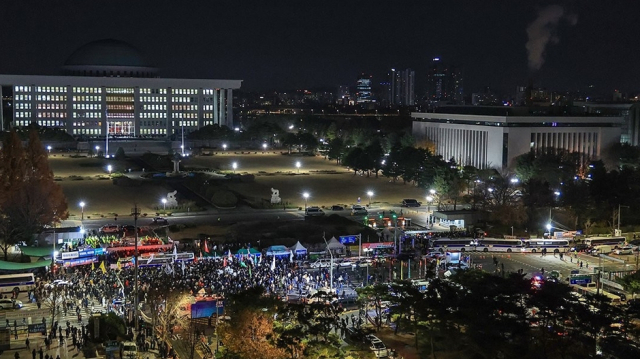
(135, 211)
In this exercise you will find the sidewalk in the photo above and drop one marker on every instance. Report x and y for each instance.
(37, 342)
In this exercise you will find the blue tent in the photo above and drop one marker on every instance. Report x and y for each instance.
(278, 251)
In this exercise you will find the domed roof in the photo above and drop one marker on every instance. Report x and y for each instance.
(107, 52)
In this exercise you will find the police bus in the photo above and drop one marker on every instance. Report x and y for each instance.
(536, 245)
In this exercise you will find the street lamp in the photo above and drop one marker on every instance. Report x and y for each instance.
(224, 146)
(97, 150)
(264, 147)
(429, 200)
(514, 180)
(306, 197)
(370, 194)
(164, 203)
(49, 149)
(235, 166)
(298, 164)
(82, 209)
(109, 168)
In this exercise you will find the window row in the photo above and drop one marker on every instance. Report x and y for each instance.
(51, 89)
(154, 107)
(184, 107)
(184, 99)
(22, 97)
(120, 115)
(184, 123)
(153, 131)
(87, 90)
(50, 123)
(120, 107)
(153, 115)
(20, 123)
(51, 114)
(119, 90)
(184, 91)
(152, 123)
(23, 114)
(87, 131)
(87, 115)
(154, 91)
(51, 98)
(88, 106)
(22, 89)
(184, 115)
(87, 124)
(119, 98)
(51, 106)
(23, 106)
(153, 99)
(87, 98)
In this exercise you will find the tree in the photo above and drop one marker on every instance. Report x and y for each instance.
(119, 154)
(631, 283)
(357, 160)
(374, 295)
(407, 140)
(308, 141)
(289, 140)
(375, 154)
(29, 196)
(336, 149)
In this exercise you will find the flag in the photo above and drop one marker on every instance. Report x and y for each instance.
(104, 270)
(229, 254)
(250, 275)
(224, 262)
(182, 267)
(273, 264)
(290, 256)
(175, 252)
(93, 266)
(206, 247)
(243, 264)
(119, 265)
(260, 261)
(150, 258)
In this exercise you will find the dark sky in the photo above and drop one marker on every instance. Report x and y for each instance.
(277, 44)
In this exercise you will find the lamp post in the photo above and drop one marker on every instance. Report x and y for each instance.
(429, 200)
(306, 197)
(49, 149)
(224, 146)
(331, 265)
(109, 168)
(370, 194)
(164, 204)
(235, 166)
(82, 209)
(97, 150)
(298, 164)
(264, 147)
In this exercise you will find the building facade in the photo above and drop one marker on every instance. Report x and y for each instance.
(444, 83)
(495, 141)
(108, 90)
(363, 89)
(402, 87)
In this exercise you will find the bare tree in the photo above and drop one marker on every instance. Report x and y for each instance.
(53, 302)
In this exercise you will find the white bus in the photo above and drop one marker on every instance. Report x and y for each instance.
(462, 245)
(536, 245)
(22, 282)
(615, 242)
(500, 245)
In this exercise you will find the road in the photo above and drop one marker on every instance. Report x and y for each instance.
(533, 264)
(418, 217)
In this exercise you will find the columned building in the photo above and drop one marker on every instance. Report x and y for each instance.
(495, 141)
(109, 90)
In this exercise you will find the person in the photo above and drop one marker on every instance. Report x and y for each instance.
(26, 342)
(40, 353)
(33, 353)
(16, 355)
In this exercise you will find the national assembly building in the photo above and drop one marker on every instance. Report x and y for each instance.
(108, 90)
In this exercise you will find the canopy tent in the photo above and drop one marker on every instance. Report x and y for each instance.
(278, 251)
(335, 246)
(37, 251)
(252, 251)
(299, 248)
(13, 266)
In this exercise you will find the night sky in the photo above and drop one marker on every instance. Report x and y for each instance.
(304, 44)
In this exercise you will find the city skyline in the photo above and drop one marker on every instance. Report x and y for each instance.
(291, 45)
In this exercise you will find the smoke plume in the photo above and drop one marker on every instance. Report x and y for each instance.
(543, 30)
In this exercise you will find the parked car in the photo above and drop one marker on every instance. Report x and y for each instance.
(322, 263)
(10, 304)
(624, 250)
(347, 262)
(357, 209)
(410, 202)
(313, 212)
(160, 220)
(110, 228)
(337, 207)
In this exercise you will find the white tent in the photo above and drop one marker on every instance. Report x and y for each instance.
(335, 246)
(298, 249)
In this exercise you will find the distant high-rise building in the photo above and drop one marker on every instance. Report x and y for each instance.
(401, 86)
(444, 83)
(363, 89)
